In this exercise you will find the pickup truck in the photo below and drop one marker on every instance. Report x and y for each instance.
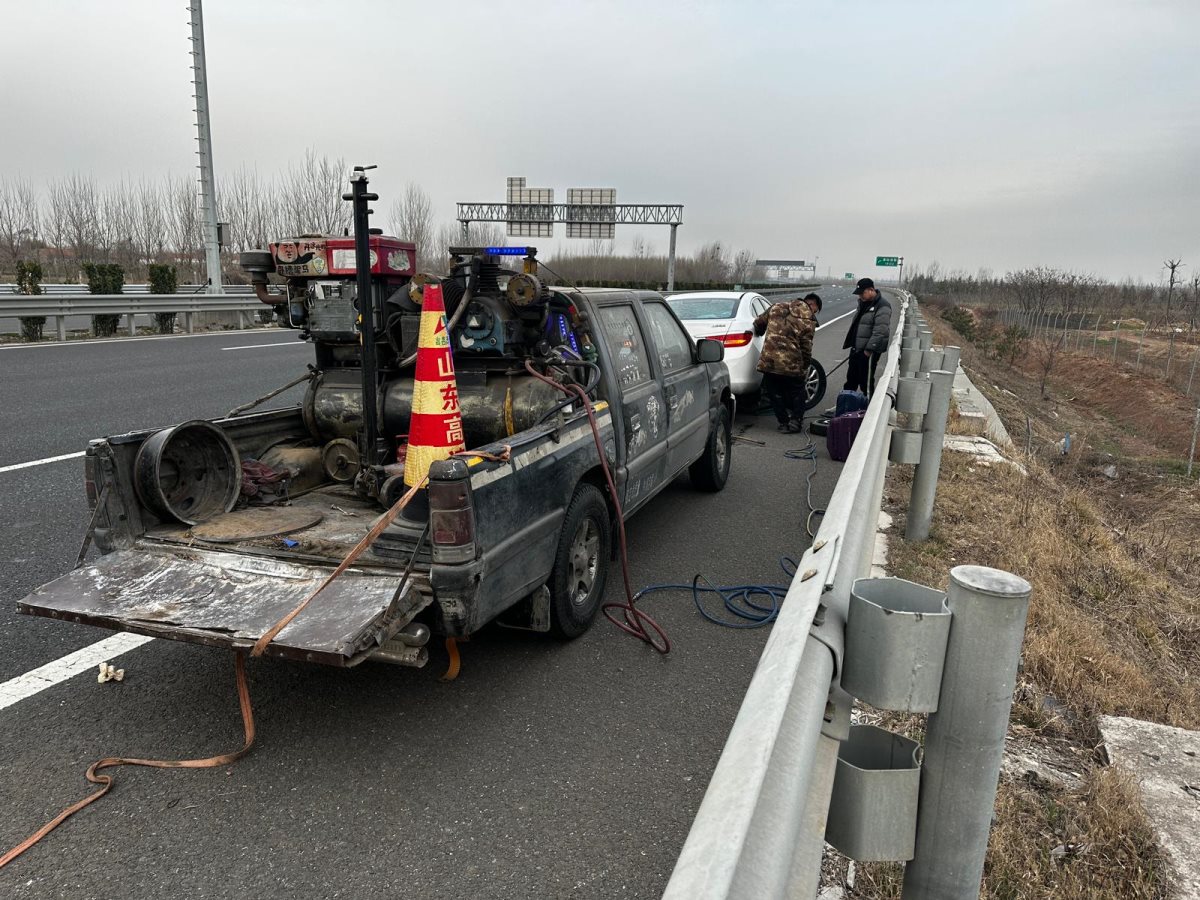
(519, 529)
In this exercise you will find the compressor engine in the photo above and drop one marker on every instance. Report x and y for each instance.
(497, 318)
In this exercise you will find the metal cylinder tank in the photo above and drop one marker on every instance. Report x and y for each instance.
(494, 405)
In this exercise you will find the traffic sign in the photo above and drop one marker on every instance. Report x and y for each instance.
(849, 276)
(887, 260)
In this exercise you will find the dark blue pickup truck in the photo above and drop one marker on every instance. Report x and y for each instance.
(199, 546)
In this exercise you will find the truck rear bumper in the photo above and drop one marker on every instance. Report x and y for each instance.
(230, 600)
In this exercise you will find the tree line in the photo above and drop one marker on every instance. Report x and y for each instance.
(1045, 290)
(73, 221)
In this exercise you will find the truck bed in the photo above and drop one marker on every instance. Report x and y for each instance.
(344, 519)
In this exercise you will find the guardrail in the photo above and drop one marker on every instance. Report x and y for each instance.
(11, 288)
(794, 771)
(59, 306)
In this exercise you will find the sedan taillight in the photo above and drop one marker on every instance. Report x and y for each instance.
(737, 339)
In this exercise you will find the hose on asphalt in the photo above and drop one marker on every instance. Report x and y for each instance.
(750, 605)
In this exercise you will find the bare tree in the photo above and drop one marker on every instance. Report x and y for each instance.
(150, 221)
(1047, 350)
(1195, 302)
(312, 192)
(411, 219)
(74, 217)
(1172, 265)
(183, 224)
(118, 227)
(709, 264)
(743, 266)
(18, 219)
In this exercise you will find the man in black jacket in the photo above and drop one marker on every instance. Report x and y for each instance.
(868, 336)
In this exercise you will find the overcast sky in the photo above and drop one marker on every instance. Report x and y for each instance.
(997, 134)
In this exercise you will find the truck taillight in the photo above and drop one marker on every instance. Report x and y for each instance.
(451, 514)
(737, 339)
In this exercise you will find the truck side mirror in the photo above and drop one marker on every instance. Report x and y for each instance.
(708, 351)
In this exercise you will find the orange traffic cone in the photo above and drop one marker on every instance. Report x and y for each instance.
(436, 429)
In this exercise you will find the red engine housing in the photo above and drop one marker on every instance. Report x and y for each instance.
(322, 257)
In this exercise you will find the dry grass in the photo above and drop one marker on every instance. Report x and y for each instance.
(1108, 631)
(1083, 844)
(1114, 623)
(1088, 843)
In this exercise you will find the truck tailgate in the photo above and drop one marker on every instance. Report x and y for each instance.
(230, 600)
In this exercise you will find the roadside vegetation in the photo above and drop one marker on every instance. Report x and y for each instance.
(1107, 529)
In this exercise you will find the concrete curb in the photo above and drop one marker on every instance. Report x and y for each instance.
(972, 404)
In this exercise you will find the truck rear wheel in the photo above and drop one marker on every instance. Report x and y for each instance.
(711, 471)
(581, 564)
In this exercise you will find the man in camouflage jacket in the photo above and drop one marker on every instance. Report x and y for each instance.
(789, 326)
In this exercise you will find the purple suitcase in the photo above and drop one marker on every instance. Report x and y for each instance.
(842, 431)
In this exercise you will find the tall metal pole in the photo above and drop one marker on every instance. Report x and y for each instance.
(671, 260)
(964, 739)
(365, 299)
(208, 184)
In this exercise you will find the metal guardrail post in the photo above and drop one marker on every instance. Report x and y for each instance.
(188, 324)
(950, 358)
(131, 324)
(60, 326)
(933, 432)
(964, 740)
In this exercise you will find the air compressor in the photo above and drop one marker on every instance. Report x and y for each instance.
(497, 318)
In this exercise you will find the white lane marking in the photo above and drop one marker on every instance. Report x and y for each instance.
(100, 342)
(838, 319)
(276, 344)
(37, 680)
(41, 462)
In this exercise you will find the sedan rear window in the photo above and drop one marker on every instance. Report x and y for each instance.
(704, 307)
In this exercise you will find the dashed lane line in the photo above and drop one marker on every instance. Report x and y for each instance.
(37, 680)
(40, 462)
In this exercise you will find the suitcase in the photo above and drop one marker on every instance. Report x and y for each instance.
(850, 401)
(842, 431)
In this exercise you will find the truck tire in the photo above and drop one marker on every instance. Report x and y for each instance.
(711, 471)
(581, 563)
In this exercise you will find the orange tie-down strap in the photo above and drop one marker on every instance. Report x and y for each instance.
(110, 762)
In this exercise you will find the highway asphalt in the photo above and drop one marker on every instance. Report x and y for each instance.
(546, 770)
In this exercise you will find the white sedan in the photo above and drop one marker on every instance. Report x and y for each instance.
(728, 317)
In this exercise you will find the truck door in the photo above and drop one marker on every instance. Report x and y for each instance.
(685, 387)
(642, 408)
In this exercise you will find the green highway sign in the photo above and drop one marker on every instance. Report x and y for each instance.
(887, 260)
(849, 276)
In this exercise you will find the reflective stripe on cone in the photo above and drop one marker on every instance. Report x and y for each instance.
(436, 429)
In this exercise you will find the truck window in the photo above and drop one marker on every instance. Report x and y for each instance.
(627, 344)
(674, 346)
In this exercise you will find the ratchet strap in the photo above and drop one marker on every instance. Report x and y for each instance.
(109, 762)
